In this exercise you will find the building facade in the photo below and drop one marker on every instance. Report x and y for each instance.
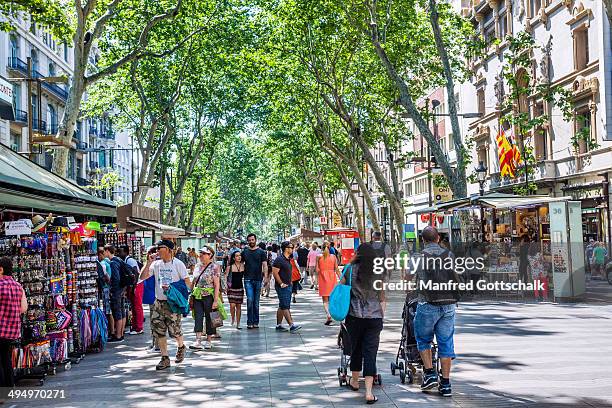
(91, 147)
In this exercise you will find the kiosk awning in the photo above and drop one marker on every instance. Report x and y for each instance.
(152, 225)
(25, 184)
(492, 200)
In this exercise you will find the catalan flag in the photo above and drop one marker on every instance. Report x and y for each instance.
(508, 153)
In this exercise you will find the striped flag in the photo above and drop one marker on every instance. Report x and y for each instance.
(508, 153)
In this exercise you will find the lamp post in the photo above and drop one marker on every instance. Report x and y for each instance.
(481, 173)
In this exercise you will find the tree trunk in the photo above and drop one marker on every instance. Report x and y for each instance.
(456, 181)
(194, 203)
(460, 182)
(162, 192)
(394, 203)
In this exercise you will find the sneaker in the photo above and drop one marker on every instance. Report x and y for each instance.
(295, 328)
(207, 345)
(249, 326)
(445, 389)
(196, 346)
(116, 340)
(281, 328)
(294, 300)
(429, 381)
(238, 327)
(180, 354)
(256, 326)
(163, 363)
(153, 349)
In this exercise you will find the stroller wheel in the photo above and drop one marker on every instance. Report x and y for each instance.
(339, 372)
(379, 378)
(402, 375)
(393, 367)
(410, 376)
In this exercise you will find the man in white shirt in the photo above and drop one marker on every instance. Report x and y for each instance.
(166, 271)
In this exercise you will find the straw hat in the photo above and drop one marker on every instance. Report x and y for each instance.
(38, 223)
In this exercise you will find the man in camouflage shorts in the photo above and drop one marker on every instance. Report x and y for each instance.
(166, 270)
(164, 320)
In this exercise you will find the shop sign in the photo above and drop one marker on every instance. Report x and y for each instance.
(409, 231)
(337, 220)
(442, 194)
(323, 220)
(19, 227)
(6, 91)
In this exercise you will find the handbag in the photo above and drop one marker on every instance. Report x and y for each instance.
(216, 319)
(340, 297)
(195, 285)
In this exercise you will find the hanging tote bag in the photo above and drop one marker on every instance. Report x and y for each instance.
(340, 298)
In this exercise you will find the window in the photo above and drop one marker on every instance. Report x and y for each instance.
(407, 189)
(420, 186)
(583, 126)
(451, 143)
(534, 7)
(442, 142)
(52, 118)
(17, 95)
(34, 56)
(489, 33)
(581, 48)
(16, 142)
(503, 25)
(482, 155)
(14, 46)
(539, 134)
(66, 52)
(480, 95)
(51, 69)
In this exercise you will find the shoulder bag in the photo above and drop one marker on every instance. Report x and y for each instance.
(340, 298)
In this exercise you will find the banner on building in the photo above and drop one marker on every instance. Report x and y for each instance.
(508, 153)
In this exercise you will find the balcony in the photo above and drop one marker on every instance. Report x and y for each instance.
(82, 146)
(17, 64)
(56, 90)
(39, 126)
(93, 131)
(107, 134)
(52, 128)
(21, 116)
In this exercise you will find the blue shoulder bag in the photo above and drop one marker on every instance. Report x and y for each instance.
(340, 298)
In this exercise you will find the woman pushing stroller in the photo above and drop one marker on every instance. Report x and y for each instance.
(364, 321)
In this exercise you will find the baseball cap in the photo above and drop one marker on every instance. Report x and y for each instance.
(205, 250)
(165, 242)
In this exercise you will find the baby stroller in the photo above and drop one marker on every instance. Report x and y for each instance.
(408, 359)
(344, 343)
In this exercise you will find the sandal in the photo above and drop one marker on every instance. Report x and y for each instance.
(351, 385)
(328, 322)
(372, 401)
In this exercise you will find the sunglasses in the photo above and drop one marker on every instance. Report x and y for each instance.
(290, 247)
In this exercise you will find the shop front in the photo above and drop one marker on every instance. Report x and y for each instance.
(509, 232)
(346, 240)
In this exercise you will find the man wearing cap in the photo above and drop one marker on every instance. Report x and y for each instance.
(166, 270)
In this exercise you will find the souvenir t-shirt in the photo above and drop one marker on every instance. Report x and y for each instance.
(167, 273)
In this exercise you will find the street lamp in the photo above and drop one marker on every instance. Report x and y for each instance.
(481, 173)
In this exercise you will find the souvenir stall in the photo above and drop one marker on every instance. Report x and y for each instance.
(503, 228)
(52, 258)
(56, 267)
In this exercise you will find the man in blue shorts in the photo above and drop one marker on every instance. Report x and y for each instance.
(281, 269)
(435, 314)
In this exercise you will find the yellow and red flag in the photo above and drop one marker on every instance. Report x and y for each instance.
(508, 153)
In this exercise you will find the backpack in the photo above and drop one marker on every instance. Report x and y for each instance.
(140, 264)
(438, 274)
(127, 275)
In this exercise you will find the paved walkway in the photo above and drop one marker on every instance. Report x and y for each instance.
(509, 355)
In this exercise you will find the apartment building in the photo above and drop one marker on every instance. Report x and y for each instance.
(574, 53)
(94, 138)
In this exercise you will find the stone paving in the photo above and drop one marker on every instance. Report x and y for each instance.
(509, 354)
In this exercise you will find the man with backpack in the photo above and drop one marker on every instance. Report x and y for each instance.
(134, 292)
(119, 269)
(435, 313)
